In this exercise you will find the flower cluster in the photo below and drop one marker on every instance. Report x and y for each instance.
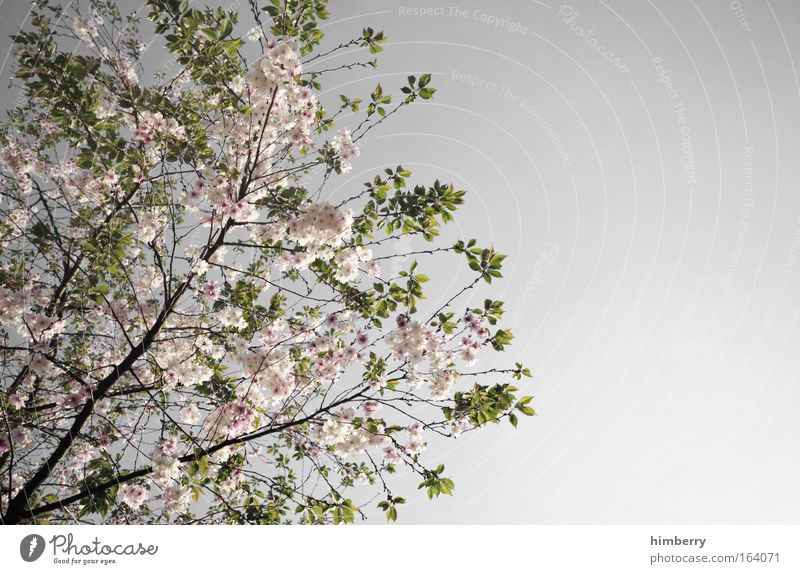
(472, 342)
(106, 104)
(232, 419)
(348, 438)
(346, 149)
(320, 225)
(272, 85)
(347, 261)
(17, 438)
(134, 495)
(20, 162)
(148, 126)
(86, 28)
(319, 230)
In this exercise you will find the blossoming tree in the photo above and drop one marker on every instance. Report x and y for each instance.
(189, 332)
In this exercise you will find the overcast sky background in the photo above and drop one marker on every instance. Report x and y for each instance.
(653, 238)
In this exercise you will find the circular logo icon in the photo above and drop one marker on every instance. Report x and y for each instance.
(31, 547)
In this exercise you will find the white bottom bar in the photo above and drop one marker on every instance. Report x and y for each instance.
(551, 549)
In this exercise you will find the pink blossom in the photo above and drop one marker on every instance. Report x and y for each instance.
(134, 495)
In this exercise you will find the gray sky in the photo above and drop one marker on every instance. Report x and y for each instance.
(637, 160)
